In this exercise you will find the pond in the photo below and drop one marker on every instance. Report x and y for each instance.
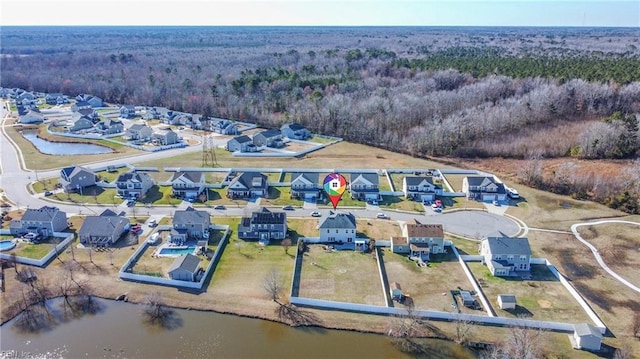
(64, 148)
(118, 331)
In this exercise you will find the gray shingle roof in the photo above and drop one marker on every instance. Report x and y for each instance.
(102, 225)
(191, 215)
(506, 245)
(187, 262)
(193, 176)
(310, 176)
(371, 177)
(42, 214)
(242, 139)
(338, 221)
(583, 329)
(414, 180)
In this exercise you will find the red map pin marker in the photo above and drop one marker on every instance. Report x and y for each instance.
(334, 185)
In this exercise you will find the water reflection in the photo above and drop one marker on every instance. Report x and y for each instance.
(119, 331)
(64, 148)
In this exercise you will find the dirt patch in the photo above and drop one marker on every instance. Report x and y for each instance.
(545, 304)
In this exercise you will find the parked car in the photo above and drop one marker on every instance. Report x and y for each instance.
(438, 203)
(436, 208)
(382, 216)
(131, 203)
(153, 222)
(48, 193)
(315, 214)
(221, 207)
(288, 208)
(495, 202)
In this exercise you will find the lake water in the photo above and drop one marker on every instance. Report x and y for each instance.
(64, 148)
(118, 331)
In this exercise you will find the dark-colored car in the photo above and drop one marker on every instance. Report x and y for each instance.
(220, 207)
(288, 208)
(48, 193)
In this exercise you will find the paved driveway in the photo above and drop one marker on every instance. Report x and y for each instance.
(475, 224)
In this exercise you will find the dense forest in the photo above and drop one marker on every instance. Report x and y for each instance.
(525, 93)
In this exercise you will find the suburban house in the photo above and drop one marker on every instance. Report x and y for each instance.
(190, 224)
(268, 138)
(420, 188)
(338, 227)
(305, 186)
(186, 268)
(74, 178)
(419, 240)
(93, 101)
(263, 226)
(80, 105)
(505, 256)
(187, 185)
(248, 185)
(43, 221)
(24, 109)
(25, 98)
(138, 132)
(484, 188)
(133, 184)
(164, 137)
(128, 111)
(364, 186)
(507, 301)
(32, 117)
(89, 113)
(241, 143)
(179, 119)
(80, 122)
(295, 131)
(110, 126)
(56, 99)
(103, 230)
(586, 337)
(224, 127)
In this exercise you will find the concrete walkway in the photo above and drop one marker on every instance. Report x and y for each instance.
(594, 250)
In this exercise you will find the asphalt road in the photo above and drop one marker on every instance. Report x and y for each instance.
(15, 177)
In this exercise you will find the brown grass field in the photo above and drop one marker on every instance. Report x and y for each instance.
(542, 297)
(619, 246)
(428, 287)
(343, 276)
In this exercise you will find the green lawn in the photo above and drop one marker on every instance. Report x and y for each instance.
(34, 251)
(112, 176)
(46, 184)
(160, 195)
(399, 203)
(91, 195)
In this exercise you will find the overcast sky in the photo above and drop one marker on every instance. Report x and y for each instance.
(323, 12)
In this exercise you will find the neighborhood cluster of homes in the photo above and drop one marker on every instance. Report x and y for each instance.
(86, 119)
(306, 186)
(503, 256)
(272, 138)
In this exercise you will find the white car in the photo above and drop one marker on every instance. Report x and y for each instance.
(315, 214)
(382, 216)
(153, 222)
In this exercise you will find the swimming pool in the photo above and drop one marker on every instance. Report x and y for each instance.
(176, 251)
(6, 245)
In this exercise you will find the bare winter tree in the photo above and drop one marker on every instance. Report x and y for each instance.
(521, 343)
(463, 329)
(406, 330)
(155, 311)
(273, 284)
